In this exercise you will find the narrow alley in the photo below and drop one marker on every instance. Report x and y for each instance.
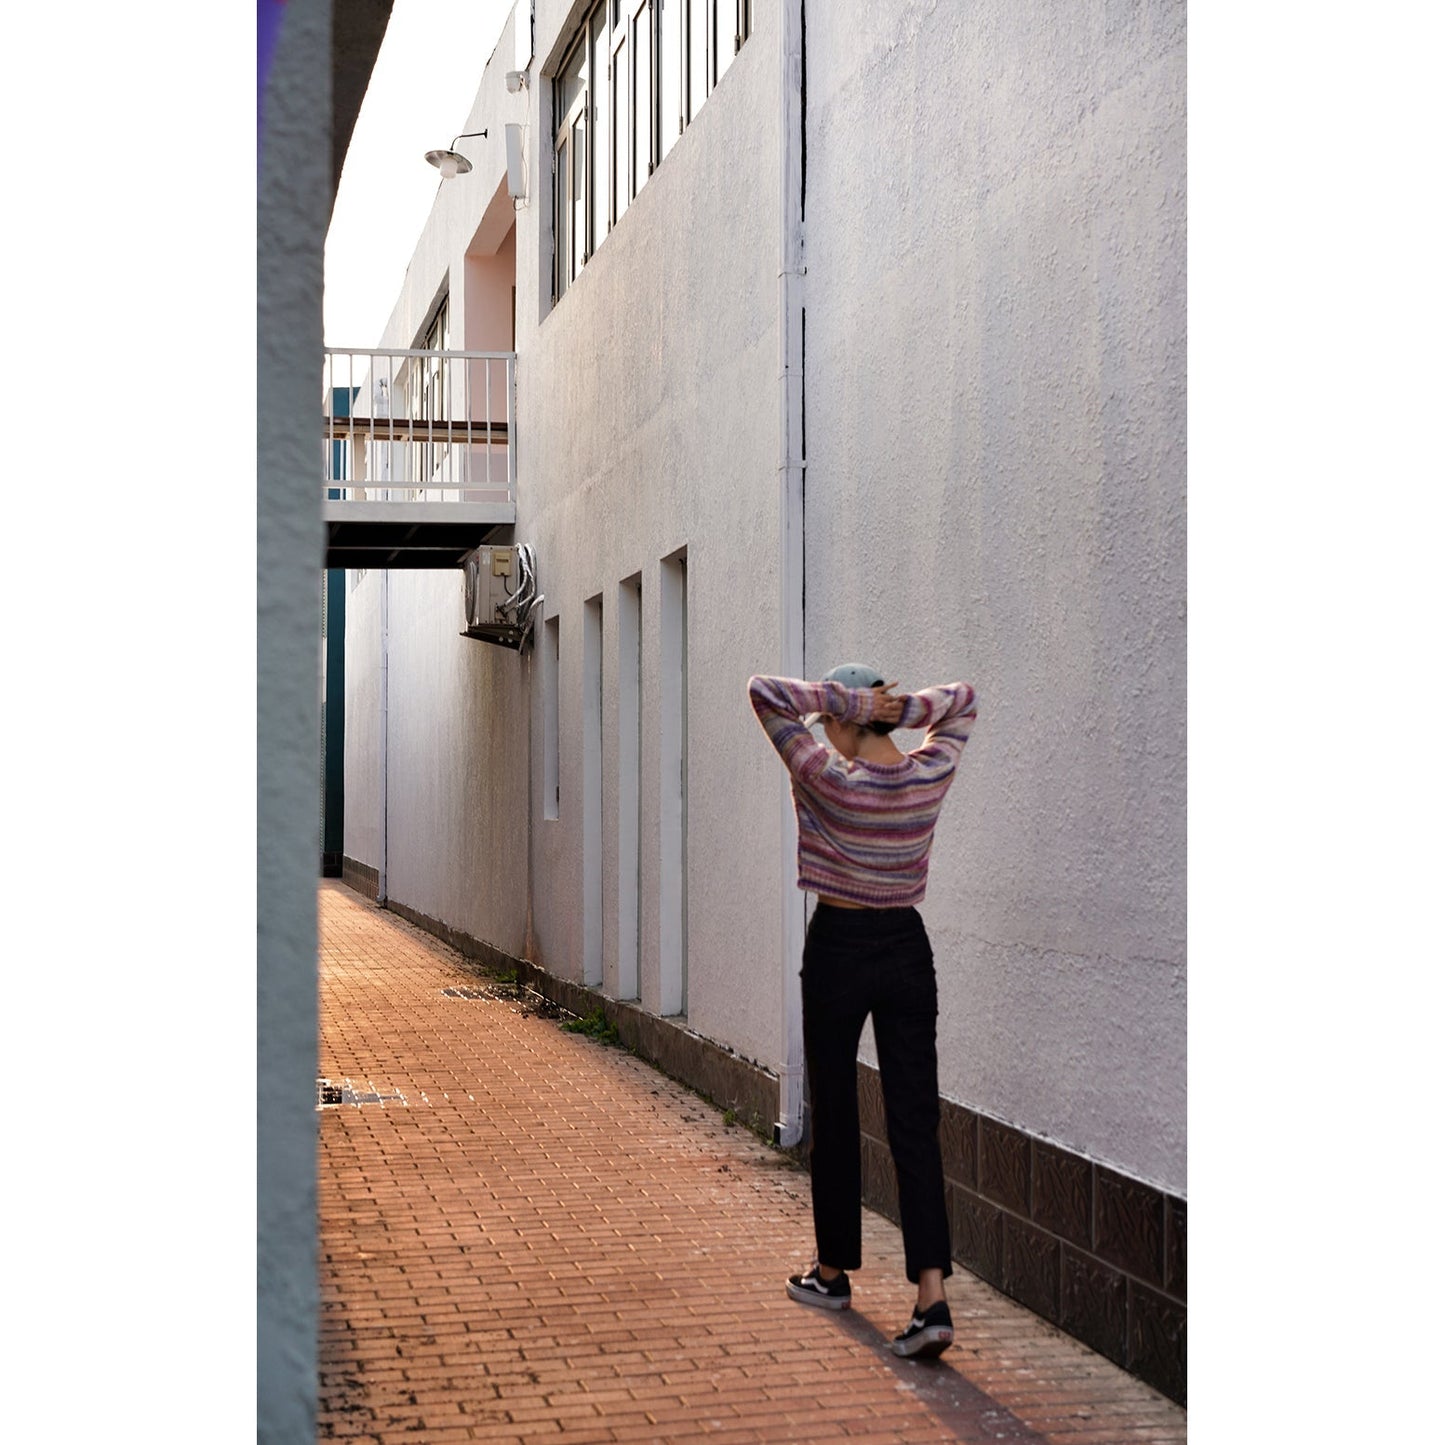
(528, 1235)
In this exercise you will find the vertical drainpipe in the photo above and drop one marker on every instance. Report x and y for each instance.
(385, 640)
(791, 462)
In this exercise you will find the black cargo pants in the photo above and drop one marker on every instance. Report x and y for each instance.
(878, 961)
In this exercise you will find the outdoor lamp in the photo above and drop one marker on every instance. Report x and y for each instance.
(451, 162)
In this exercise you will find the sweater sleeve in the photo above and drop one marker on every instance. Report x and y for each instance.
(948, 713)
(781, 703)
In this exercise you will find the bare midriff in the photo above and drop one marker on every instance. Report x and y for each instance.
(839, 903)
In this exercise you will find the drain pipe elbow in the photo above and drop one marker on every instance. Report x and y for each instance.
(788, 1133)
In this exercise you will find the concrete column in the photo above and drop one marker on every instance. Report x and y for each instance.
(293, 207)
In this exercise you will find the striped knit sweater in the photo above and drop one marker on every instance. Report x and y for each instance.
(865, 829)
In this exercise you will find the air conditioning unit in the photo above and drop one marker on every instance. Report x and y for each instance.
(489, 572)
(500, 595)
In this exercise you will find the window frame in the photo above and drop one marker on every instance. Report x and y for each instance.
(607, 109)
(568, 256)
(637, 28)
(426, 385)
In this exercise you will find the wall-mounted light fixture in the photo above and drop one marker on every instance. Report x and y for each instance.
(516, 80)
(452, 162)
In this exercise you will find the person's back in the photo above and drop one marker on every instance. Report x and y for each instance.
(866, 822)
(866, 818)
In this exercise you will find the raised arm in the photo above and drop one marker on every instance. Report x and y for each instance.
(947, 712)
(781, 704)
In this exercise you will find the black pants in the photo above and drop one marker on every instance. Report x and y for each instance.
(878, 961)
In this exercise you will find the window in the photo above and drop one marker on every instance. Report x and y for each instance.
(571, 91)
(636, 75)
(712, 32)
(427, 396)
(694, 38)
(622, 189)
(601, 179)
(640, 101)
(669, 74)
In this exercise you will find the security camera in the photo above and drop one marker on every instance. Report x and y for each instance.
(516, 80)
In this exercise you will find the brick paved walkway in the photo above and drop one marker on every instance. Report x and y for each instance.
(529, 1236)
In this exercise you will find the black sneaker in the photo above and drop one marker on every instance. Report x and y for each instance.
(928, 1334)
(813, 1289)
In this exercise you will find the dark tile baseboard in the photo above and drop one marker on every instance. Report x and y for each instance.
(361, 877)
(1095, 1253)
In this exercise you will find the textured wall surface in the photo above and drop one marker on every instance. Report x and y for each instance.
(648, 418)
(996, 491)
(455, 709)
(646, 423)
(457, 772)
(995, 432)
(293, 202)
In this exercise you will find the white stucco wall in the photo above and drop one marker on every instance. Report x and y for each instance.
(647, 410)
(996, 491)
(646, 424)
(457, 766)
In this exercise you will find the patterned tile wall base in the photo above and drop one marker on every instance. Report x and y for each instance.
(1097, 1254)
(364, 879)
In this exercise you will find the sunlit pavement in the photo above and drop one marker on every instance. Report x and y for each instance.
(527, 1235)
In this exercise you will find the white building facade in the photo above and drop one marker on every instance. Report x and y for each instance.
(857, 334)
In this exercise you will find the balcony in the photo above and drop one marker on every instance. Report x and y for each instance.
(420, 459)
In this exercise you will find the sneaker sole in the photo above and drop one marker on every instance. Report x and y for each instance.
(822, 1301)
(926, 1344)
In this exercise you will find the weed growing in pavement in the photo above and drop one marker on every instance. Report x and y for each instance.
(595, 1026)
(499, 976)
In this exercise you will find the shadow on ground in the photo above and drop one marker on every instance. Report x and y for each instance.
(949, 1396)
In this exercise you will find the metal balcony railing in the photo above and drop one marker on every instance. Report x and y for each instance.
(420, 426)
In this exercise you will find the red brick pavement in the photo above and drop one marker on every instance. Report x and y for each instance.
(527, 1236)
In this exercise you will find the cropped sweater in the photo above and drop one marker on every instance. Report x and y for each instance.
(865, 829)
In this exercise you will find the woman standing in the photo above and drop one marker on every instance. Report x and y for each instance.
(866, 814)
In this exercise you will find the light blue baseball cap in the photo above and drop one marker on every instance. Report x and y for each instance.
(850, 674)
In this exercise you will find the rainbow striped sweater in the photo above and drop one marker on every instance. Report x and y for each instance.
(865, 829)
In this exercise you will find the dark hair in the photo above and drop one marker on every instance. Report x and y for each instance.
(882, 729)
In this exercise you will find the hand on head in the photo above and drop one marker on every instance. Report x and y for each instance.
(887, 709)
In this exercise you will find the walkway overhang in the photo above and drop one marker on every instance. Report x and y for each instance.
(410, 535)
